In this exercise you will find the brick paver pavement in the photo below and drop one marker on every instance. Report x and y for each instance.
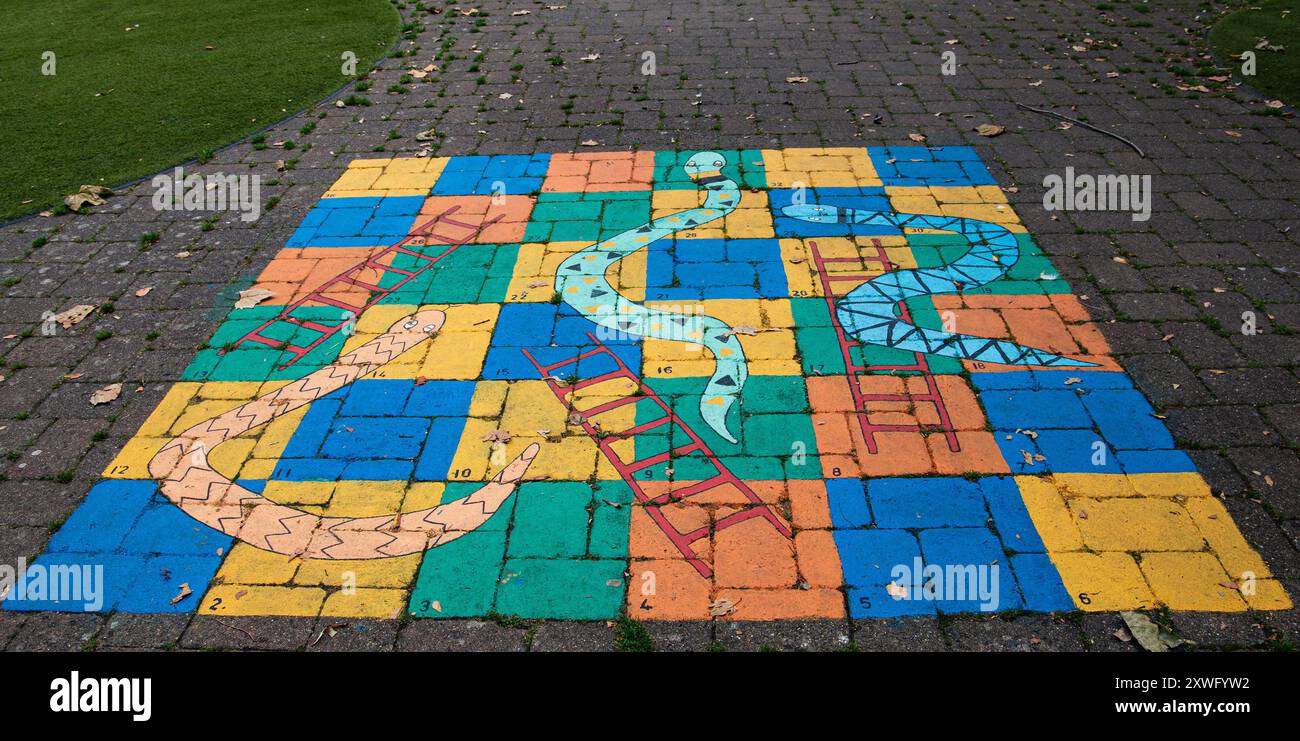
(1168, 294)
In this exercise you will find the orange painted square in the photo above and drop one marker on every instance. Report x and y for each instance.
(599, 171)
(679, 592)
(513, 212)
(753, 554)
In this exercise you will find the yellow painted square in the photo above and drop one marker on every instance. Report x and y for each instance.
(533, 278)
(299, 493)
(229, 457)
(489, 399)
(255, 599)
(423, 495)
(356, 498)
(1191, 581)
(366, 603)
(248, 565)
(169, 409)
(132, 462)
(377, 572)
(1051, 517)
(1103, 581)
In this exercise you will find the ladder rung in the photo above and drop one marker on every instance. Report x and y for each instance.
(322, 298)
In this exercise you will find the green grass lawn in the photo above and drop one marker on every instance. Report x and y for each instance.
(1277, 72)
(125, 104)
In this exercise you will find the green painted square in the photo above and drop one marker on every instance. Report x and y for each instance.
(778, 435)
(460, 576)
(683, 395)
(563, 589)
(463, 276)
(775, 394)
(551, 520)
(745, 167)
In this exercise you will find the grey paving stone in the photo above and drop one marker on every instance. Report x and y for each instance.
(898, 634)
(57, 631)
(783, 635)
(573, 637)
(671, 636)
(125, 630)
(338, 634)
(460, 635)
(1027, 633)
(275, 633)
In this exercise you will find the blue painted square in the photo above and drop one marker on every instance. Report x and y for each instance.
(439, 399)
(1075, 451)
(158, 581)
(443, 439)
(1014, 525)
(74, 582)
(847, 501)
(972, 560)
(504, 174)
(1127, 420)
(1154, 461)
(1035, 410)
(926, 166)
(696, 269)
(391, 469)
(926, 502)
(1040, 583)
(553, 333)
(866, 199)
(869, 557)
(377, 430)
(375, 398)
(105, 517)
(375, 437)
(874, 602)
(525, 324)
(164, 529)
(357, 222)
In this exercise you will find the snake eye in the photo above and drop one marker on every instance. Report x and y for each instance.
(410, 324)
(719, 163)
(429, 328)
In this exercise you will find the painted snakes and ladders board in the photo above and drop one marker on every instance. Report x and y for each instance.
(766, 384)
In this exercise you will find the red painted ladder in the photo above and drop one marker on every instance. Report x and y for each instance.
(856, 371)
(605, 439)
(348, 278)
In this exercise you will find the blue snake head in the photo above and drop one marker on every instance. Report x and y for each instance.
(813, 213)
(704, 163)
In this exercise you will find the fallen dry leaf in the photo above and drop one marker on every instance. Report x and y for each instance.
(252, 297)
(74, 316)
(497, 436)
(990, 129)
(916, 137)
(798, 79)
(87, 195)
(1149, 635)
(721, 606)
(185, 592)
(143, 291)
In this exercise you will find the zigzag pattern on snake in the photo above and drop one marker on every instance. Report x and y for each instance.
(867, 313)
(186, 478)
